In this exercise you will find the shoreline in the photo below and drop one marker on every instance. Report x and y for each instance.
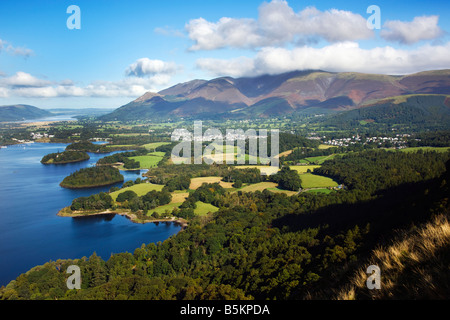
(131, 216)
(65, 162)
(89, 186)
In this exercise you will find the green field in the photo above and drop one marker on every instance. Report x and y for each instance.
(162, 209)
(319, 159)
(140, 189)
(326, 191)
(287, 192)
(258, 186)
(304, 169)
(204, 208)
(153, 145)
(150, 160)
(201, 209)
(197, 182)
(310, 180)
(324, 146)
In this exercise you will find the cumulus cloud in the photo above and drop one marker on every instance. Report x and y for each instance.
(337, 57)
(421, 28)
(147, 67)
(142, 76)
(22, 79)
(277, 24)
(23, 84)
(236, 67)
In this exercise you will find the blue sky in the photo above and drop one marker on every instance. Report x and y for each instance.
(125, 48)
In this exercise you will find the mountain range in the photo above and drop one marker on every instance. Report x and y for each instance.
(313, 91)
(20, 112)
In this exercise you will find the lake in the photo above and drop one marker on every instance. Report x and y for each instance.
(30, 231)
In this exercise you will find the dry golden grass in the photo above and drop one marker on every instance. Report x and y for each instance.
(179, 197)
(415, 266)
(267, 170)
(197, 182)
(284, 154)
(259, 186)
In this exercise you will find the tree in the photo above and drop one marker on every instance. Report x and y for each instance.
(287, 179)
(126, 195)
(237, 184)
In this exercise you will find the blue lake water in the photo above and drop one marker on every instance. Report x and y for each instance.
(30, 231)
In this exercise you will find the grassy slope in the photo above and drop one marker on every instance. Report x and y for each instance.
(150, 160)
(204, 208)
(197, 182)
(140, 189)
(153, 145)
(303, 169)
(310, 180)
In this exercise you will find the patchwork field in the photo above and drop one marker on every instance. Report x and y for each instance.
(287, 192)
(179, 197)
(310, 180)
(304, 169)
(163, 209)
(325, 146)
(152, 146)
(197, 182)
(259, 186)
(284, 154)
(140, 189)
(150, 160)
(201, 209)
(319, 159)
(267, 170)
(204, 208)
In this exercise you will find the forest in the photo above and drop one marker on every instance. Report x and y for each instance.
(265, 245)
(92, 177)
(100, 201)
(65, 157)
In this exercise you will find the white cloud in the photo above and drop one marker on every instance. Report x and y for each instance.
(421, 28)
(239, 33)
(234, 67)
(25, 85)
(142, 76)
(16, 51)
(338, 57)
(22, 79)
(145, 67)
(277, 24)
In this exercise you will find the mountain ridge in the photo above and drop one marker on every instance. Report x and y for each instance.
(20, 112)
(228, 97)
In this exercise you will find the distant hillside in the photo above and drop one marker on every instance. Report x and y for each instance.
(21, 112)
(274, 95)
(421, 109)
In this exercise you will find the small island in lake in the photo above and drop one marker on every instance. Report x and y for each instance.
(65, 157)
(87, 146)
(92, 177)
